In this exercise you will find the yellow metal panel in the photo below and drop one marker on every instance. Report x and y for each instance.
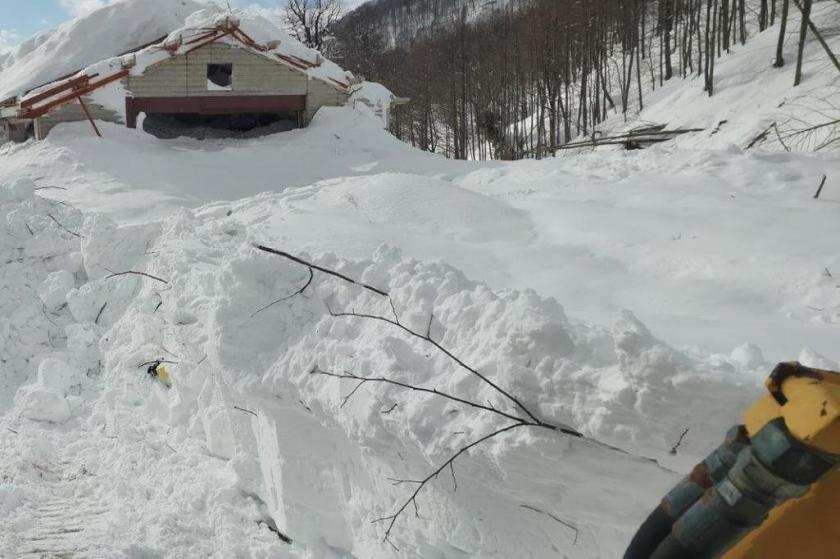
(809, 526)
(812, 413)
(800, 529)
(760, 414)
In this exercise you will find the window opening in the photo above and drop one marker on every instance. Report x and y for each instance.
(219, 77)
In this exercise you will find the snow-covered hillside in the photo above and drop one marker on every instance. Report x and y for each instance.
(403, 21)
(751, 95)
(634, 296)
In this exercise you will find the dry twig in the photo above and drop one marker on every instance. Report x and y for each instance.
(392, 519)
(679, 441)
(61, 225)
(101, 310)
(134, 273)
(524, 419)
(822, 184)
(312, 266)
(568, 525)
(246, 411)
(287, 297)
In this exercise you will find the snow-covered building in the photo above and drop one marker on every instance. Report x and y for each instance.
(244, 67)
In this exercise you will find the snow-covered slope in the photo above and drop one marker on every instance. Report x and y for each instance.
(751, 94)
(401, 21)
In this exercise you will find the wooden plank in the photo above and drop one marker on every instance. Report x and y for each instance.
(90, 118)
(229, 104)
(285, 58)
(145, 45)
(201, 37)
(81, 80)
(36, 112)
(344, 86)
(247, 40)
(213, 40)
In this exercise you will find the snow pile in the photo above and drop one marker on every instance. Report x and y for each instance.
(67, 463)
(243, 391)
(247, 433)
(672, 250)
(40, 265)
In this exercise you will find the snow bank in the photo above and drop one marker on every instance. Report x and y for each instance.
(37, 247)
(248, 434)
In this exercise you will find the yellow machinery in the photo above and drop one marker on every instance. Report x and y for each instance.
(770, 491)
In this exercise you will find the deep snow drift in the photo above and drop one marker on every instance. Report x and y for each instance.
(730, 249)
(190, 472)
(633, 296)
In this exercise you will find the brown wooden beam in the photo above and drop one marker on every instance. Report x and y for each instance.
(77, 82)
(90, 118)
(205, 43)
(216, 105)
(36, 112)
(201, 37)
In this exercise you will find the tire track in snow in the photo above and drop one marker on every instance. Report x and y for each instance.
(65, 527)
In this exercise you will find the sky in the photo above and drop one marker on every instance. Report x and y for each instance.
(20, 19)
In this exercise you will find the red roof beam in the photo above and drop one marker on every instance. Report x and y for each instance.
(72, 84)
(201, 37)
(291, 61)
(248, 40)
(36, 112)
(213, 40)
(304, 61)
(342, 84)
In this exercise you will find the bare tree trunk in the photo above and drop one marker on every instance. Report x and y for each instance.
(762, 16)
(803, 35)
(780, 56)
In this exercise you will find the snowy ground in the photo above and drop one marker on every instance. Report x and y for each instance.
(710, 249)
(714, 248)
(632, 295)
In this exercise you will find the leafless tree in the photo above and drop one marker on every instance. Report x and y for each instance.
(311, 21)
(539, 73)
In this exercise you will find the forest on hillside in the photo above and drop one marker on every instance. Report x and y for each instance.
(525, 77)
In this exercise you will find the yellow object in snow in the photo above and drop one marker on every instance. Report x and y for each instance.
(163, 376)
(770, 491)
(810, 525)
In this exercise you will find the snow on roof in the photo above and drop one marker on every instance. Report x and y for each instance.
(152, 30)
(78, 43)
(247, 28)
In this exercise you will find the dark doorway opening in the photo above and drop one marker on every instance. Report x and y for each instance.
(200, 126)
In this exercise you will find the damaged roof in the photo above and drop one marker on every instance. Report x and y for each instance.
(205, 26)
